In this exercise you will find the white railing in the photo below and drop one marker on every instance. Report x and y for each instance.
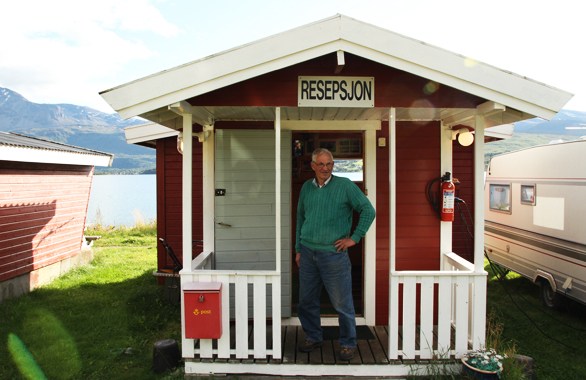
(204, 260)
(247, 304)
(456, 295)
(443, 312)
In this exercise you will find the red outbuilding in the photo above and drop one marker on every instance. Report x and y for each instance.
(44, 194)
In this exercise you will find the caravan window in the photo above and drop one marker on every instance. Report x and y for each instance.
(500, 197)
(528, 195)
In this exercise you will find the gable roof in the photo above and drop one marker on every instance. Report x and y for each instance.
(17, 147)
(338, 33)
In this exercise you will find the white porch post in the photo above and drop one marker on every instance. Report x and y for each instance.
(187, 191)
(392, 186)
(446, 165)
(278, 188)
(393, 281)
(208, 184)
(479, 194)
(478, 327)
(276, 288)
(186, 196)
(370, 148)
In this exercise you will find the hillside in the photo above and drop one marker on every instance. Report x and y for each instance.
(566, 126)
(75, 125)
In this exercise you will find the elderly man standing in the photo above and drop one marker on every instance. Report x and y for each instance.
(323, 236)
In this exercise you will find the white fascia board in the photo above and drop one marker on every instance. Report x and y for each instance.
(226, 80)
(147, 132)
(216, 71)
(452, 69)
(20, 154)
(503, 131)
(327, 36)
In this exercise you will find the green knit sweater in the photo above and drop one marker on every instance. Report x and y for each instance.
(324, 214)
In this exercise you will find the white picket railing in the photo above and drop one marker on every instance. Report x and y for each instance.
(245, 285)
(456, 293)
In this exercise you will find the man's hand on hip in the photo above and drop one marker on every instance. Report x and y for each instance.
(344, 244)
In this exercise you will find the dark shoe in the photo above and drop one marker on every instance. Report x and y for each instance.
(308, 345)
(347, 353)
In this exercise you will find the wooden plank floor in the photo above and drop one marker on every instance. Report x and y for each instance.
(369, 351)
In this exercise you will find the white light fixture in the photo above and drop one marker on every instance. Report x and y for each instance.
(464, 136)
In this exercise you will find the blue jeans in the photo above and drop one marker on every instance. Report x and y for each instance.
(333, 271)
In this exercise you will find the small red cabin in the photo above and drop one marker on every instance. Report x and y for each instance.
(44, 194)
(246, 121)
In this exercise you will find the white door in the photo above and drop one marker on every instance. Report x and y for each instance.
(245, 204)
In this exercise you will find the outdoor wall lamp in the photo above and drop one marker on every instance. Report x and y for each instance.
(180, 143)
(464, 136)
(201, 137)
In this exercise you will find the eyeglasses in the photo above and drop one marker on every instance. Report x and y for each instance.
(321, 165)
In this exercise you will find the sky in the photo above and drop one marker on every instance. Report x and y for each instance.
(67, 51)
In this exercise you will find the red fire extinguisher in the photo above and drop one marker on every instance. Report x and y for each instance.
(448, 193)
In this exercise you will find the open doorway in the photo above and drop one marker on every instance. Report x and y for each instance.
(348, 151)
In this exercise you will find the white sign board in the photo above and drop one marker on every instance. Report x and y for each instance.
(335, 92)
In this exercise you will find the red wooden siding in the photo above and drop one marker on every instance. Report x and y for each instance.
(382, 229)
(169, 182)
(393, 87)
(463, 228)
(42, 214)
(418, 162)
(417, 239)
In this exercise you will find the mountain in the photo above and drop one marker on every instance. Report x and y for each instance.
(75, 125)
(565, 126)
(569, 123)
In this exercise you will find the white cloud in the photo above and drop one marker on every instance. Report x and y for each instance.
(63, 51)
(66, 51)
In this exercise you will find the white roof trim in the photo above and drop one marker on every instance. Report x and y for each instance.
(503, 131)
(26, 154)
(327, 36)
(147, 132)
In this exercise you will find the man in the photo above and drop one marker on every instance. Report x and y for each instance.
(323, 236)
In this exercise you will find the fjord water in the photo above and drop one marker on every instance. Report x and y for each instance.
(122, 200)
(125, 200)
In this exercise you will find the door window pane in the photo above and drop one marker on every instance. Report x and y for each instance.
(352, 169)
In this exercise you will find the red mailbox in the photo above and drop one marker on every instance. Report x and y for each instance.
(203, 310)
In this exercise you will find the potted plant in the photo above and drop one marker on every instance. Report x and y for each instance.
(484, 363)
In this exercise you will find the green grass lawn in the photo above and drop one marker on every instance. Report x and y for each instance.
(553, 338)
(101, 321)
(97, 322)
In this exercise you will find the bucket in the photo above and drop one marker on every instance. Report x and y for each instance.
(165, 355)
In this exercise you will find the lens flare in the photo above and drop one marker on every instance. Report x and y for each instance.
(23, 358)
(430, 87)
(469, 62)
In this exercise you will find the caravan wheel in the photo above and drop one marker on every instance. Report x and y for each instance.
(549, 298)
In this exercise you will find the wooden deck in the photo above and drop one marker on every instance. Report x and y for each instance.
(369, 351)
(373, 350)
(371, 358)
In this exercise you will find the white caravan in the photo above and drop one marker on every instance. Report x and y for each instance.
(535, 217)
